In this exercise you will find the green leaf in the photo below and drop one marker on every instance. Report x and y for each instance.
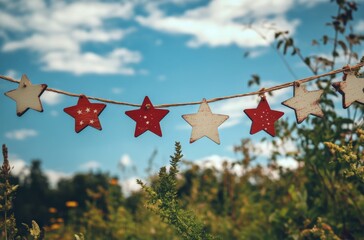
(254, 80)
(343, 46)
(335, 54)
(307, 61)
(325, 39)
(294, 52)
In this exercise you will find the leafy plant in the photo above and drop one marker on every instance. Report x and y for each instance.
(162, 200)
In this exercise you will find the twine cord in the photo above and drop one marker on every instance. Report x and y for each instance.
(259, 92)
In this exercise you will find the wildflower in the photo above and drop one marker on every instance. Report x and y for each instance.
(71, 204)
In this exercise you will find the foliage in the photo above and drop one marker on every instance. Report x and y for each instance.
(7, 191)
(162, 199)
(350, 157)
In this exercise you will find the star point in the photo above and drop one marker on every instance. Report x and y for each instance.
(147, 118)
(86, 118)
(205, 123)
(305, 103)
(27, 96)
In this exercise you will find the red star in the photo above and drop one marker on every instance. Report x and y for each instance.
(263, 118)
(147, 118)
(85, 113)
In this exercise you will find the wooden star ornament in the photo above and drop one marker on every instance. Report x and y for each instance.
(27, 96)
(147, 118)
(85, 114)
(352, 89)
(263, 118)
(204, 123)
(304, 102)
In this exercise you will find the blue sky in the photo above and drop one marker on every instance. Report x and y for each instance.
(172, 51)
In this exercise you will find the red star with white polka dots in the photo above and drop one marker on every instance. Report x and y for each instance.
(147, 118)
(263, 118)
(85, 113)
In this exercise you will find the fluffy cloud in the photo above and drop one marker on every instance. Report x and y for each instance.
(21, 169)
(51, 98)
(115, 62)
(58, 30)
(311, 3)
(220, 22)
(12, 73)
(21, 134)
(18, 166)
(289, 163)
(125, 160)
(216, 162)
(129, 185)
(266, 148)
(55, 176)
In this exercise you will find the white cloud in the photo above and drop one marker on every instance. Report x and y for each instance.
(9, 22)
(311, 3)
(214, 161)
(125, 160)
(257, 53)
(115, 62)
(266, 148)
(51, 98)
(21, 134)
(43, 43)
(19, 167)
(130, 185)
(57, 30)
(12, 73)
(90, 165)
(55, 176)
(289, 163)
(176, 2)
(219, 23)
(234, 108)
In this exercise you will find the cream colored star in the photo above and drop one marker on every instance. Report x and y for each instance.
(27, 96)
(204, 123)
(352, 90)
(305, 103)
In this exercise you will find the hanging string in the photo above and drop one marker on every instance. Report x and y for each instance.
(265, 90)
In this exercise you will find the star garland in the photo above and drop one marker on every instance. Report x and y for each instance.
(204, 123)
